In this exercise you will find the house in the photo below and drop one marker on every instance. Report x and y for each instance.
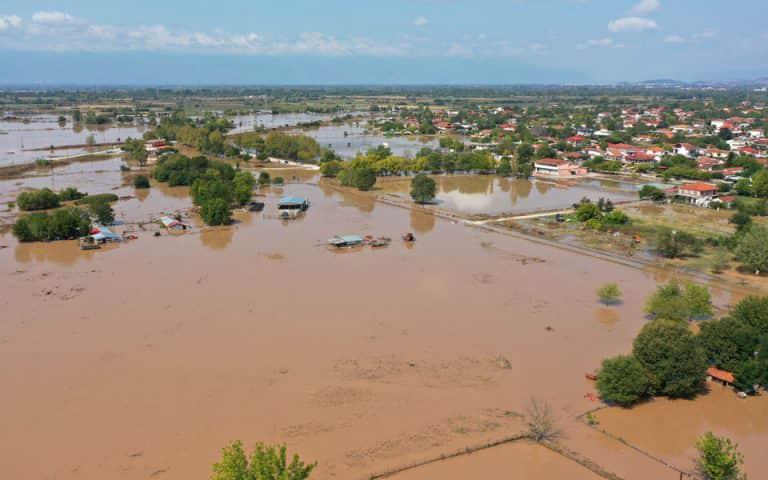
(686, 150)
(557, 168)
(577, 140)
(722, 376)
(700, 194)
(639, 158)
(707, 164)
(154, 146)
(172, 224)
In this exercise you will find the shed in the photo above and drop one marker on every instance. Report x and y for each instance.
(722, 376)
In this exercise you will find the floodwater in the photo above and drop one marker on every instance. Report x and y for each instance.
(669, 428)
(521, 460)
(358, 140)
(144, 359)
(492, 195)
(246, 123)
(17, 138)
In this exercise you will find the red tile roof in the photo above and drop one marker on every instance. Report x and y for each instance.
(698, 187)
(721, 375)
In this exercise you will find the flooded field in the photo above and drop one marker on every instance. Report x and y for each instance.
(152, 355)
(517, 460)
(358, 140)
(246, 123)
(492, 195)
(669, 429)
(19, 140)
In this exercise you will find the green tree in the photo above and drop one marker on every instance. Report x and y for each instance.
(623, 380)
(61, 224)
(587, 211)
(141, 181)
(681, 302)
(37, 200)
(505, 167)
(243, 184)
(750, 375)
(266, 463)
(423, 188)
(652, 193)
(760, 184)
(102, 212)
(609, 293)
(330, 168)
(671, 355)
(728, 342)
(264, 179)
(674, 244)
(754, 312)
(718, 458)
(215, 211)
(752, 249)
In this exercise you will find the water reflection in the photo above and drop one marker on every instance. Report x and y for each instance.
(422, 223)
(217, 238)
(607, 316)
(64, 253)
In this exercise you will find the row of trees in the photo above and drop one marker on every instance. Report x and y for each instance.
(207, 135)
(46, 198)
(299, 148)
(668, 359)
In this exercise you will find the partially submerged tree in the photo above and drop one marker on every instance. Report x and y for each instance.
(682, 302)
(718, 458)
(609, 294)
(423, 188)
(267, 462)
(623, 381)
(541, 421)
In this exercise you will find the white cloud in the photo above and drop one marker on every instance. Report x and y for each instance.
(704, 34)
(632, 24)
(675, 39)
(52, 18)
(605, 42)
(421, 21)
(9, 21)
(646, 6)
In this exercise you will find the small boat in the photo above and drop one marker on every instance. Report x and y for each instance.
(591, 376)
(346, 241)
(408, 237)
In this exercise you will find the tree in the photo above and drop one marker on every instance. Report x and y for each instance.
(37, 200)
(62, 224)
(718, 458)
(750, 375)
(505, 167)
(266, 463)
(215, 211)
(760, 184)
(728, 342)
(674, 360)
(243, 184)
(754, 312)
(674, 301)
(541, 422)
(423, 188)
(742, 220)
(264, 178)
(361, 177)
(587, 211)
(623, 380)
(103, 213)
(90, 140)
(674, 244)
(652, 193)
(752, 249)
(330, 168)
(141, 181)
(609, 293)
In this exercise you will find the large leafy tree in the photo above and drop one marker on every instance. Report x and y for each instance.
(752, 249)
(265, 463)
(674, 360)
(675, 301)
(728, 342)
(623, 380)
(422, 188)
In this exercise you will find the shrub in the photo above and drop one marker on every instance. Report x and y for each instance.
(264, 179)
(674, 244)
(752, 249)
(718, 458)
(278, 181)
(98, 198)
(652, 193)
(330, 168)
(623, 381)
(609, 293)
(141, 181)
(37, 200)
(70, 194)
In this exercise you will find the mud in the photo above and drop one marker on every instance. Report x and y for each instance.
(145, 359)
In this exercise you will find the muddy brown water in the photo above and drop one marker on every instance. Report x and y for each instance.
(144, 359)
(491, 195)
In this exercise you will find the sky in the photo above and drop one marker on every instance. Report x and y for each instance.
(189, 42)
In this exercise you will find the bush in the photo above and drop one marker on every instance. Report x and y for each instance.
(674, 244)
(423, 188)
(652, 193)
(37, 200)
(623, 381)
(70, 194)
(330, 168)
(673, 358)
(752, 249)
(264, 179)
(215, 211)
(98, 198)
(278, 181)
(674, 301)
(141, 181)
(266, 463)
(609, 293)
(62, 224)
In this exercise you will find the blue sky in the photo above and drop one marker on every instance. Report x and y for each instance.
(399, 41)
